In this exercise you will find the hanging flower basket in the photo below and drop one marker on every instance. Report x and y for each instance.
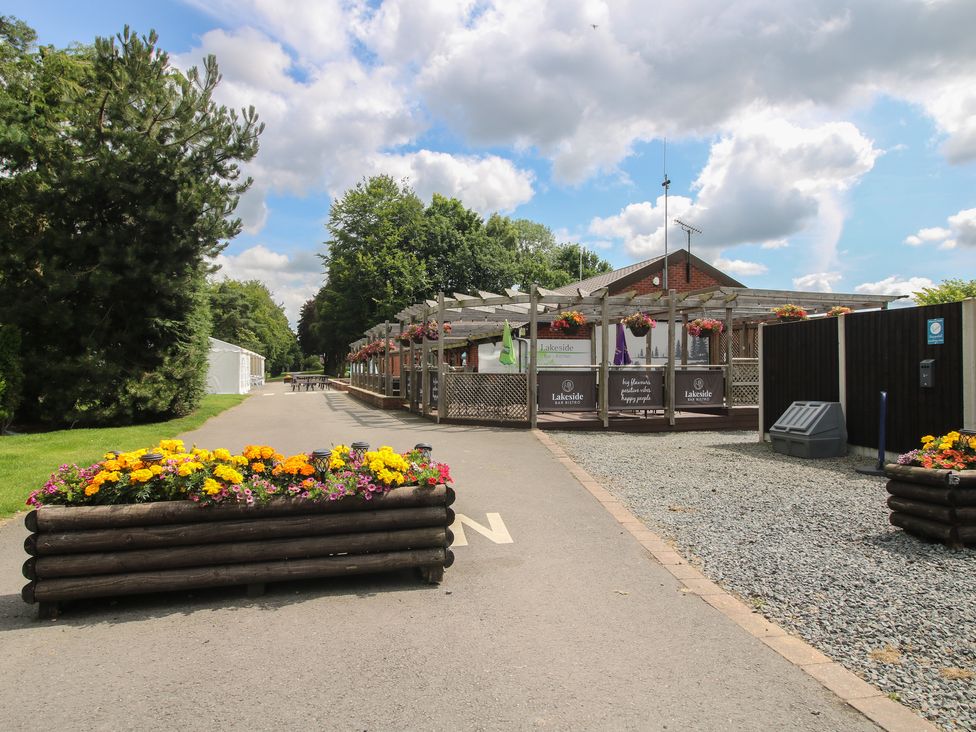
(839, 310)
(790, 313)
(704, 327)
(639, 323)
(569, 322)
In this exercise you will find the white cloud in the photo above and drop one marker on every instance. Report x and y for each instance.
(486, 184)
(817, 281)
(960, 232)
(895, 285)
(291, 280)
(740, 267)
(763, 183)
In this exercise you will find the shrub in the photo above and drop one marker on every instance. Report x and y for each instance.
(11, 374)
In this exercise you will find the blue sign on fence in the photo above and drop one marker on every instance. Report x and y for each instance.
(936, 331)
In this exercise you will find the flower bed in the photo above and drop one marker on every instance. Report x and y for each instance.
(168, 519)
(932, 490)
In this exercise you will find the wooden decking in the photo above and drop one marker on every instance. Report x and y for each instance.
(736, 418)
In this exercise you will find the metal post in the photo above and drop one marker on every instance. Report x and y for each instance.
(842, 364)
(969, 363)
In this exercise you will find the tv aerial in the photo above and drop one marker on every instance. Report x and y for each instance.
(688, 229)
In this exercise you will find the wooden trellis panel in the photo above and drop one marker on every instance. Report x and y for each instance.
(745, 382)
(494, 397)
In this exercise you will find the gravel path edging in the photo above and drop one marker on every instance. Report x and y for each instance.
(862, 696)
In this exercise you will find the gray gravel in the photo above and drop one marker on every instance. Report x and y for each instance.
(807, 543)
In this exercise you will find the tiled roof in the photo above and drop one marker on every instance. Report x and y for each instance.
(605, 279)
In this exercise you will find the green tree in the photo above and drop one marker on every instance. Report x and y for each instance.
(950, 290)
(373, 268)
(458, 253)
(118, 178)
(245, 314)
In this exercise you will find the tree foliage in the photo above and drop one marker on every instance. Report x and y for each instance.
(387, 251)
(950, 290)
(118, 177)
(245, 314)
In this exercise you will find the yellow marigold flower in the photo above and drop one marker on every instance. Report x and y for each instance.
(156, 469)
(141, 475)
(928, 438)
(258, 467)
(240, 460)
(92, 489)
(267, 452)
(221, 454)
(336, 464)
(171, 445)
(225, 472)
(202, 454)
(210, 486)
(972, 443)
(184, 470)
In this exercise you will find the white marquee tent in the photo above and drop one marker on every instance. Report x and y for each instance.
(232, 369)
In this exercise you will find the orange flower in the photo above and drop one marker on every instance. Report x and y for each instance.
(258, 467)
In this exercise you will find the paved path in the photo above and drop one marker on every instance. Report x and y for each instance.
(570, 626)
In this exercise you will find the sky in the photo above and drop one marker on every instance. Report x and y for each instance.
(818, 145)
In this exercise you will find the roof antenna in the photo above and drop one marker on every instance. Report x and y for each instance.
(688, 228)
(666, 184)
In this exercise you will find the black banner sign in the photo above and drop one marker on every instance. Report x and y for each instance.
(699, 388)
(567, 391)
(636, 390)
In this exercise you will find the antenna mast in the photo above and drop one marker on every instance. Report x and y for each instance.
(688, 229)
(666, 184)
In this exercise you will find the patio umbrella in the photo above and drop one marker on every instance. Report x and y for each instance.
(621, 357)
(507, 356)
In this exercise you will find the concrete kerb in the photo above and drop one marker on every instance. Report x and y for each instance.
(862, 696)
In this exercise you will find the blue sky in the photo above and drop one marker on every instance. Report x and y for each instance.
(819, 146)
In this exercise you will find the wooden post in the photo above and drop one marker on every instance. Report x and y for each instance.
(842, 364)
(592, 345)
(761, 400)
(605, 359)
(533, 360)
(413, 368)
(684, 339)
(969, 363)
(425, 367)
(401, 354)
(387, 360)
(669, 382)
(729, 338)
(441, 366)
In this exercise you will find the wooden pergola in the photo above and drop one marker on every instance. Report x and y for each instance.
(731, 305)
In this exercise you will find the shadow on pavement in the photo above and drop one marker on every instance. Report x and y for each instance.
(15, 614)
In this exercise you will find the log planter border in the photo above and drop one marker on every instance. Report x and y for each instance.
(102, 551)
(934, 504)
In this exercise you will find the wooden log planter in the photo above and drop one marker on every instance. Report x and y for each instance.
(935, 504)
(100, 551)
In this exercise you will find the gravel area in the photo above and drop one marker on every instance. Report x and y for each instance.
(808, 544)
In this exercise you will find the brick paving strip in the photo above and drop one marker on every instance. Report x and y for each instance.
(864, 697)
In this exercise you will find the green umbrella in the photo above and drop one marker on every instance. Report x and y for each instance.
(507, 356)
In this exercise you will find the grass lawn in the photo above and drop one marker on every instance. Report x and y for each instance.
(26, 461)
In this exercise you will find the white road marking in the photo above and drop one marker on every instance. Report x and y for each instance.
(495, 531)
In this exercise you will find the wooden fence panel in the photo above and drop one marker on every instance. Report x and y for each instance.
(799, 364)
(884, 350)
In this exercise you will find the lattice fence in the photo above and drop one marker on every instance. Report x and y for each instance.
(745, 382)
(745, 343)
(496, 397)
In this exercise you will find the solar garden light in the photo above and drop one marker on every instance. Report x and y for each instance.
(358, 449)
(150, 458)
(425, 449)
(320, 459)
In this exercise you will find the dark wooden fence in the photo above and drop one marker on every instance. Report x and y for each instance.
(799, 364)
(883, 353)
(884, 350)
